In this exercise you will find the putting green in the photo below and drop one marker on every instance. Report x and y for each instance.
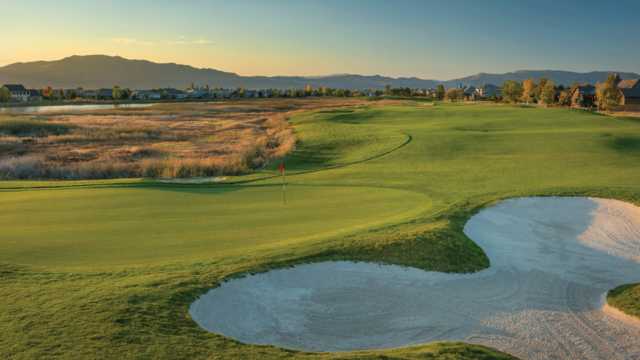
(132, 226)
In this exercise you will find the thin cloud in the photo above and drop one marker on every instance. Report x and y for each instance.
(184, 41)
(131, 41)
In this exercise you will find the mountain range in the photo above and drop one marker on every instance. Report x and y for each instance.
(101, 71)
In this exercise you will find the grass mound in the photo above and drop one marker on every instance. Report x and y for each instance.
(626, 298)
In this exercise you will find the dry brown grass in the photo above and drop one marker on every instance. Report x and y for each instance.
(168, 140)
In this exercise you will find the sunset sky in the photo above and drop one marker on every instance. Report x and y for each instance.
(428, 39)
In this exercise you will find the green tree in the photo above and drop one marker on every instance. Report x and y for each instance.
(5, 94)
(607, 93)
(116, 93)
(548, 92)
(440, 92)
(387, 90)
(511, 91)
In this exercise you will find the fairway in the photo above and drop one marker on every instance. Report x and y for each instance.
(393, 184)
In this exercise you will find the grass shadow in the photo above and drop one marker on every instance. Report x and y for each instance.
(626, 144)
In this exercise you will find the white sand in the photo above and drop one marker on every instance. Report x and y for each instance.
(552, 259)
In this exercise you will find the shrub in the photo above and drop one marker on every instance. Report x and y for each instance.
(32, 127)
(22, 167)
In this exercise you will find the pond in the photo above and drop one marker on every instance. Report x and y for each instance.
(67, 108)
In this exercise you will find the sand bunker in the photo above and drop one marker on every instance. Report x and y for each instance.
(552, 261)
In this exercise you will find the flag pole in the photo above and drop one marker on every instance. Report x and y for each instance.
(284, 184)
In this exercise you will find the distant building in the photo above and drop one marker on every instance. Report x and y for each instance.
(171, 93)
(222, 93)
(266, 93)
(146, 95)
(35, 95)
(72, 93)
(489, 91)
(104, 94)
(431, 92)
(88, 94)
(630, 91)
(18, 92)
(251, 93)
(196, 94)
(583, 96)
(470, 93)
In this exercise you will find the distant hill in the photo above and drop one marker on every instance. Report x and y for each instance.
(96, 71)
(559, 77)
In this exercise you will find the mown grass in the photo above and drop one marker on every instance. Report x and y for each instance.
(108, 269)
(626, 298)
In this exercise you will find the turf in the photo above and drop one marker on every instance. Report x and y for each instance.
(102, 228)
(626, 298)
(108, 269)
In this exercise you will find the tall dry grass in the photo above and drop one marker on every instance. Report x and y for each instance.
(167, 141)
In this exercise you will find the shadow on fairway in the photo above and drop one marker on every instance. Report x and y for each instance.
(626, 144)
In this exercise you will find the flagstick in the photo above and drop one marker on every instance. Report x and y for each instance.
(284, 188)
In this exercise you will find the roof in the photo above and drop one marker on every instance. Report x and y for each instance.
(15, 87)
(586, 89)
(469, 90)
(34, 92)
(146, 92)
(172, 91)
(628, 83)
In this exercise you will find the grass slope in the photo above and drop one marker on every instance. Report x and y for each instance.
(108, 269)
(626, 298)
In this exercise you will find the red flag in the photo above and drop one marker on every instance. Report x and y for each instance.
(281, 168)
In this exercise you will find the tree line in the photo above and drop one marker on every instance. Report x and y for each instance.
(544, 91)
(607, 95)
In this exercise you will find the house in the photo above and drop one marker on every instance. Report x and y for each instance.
(267, 93)
(72, 94)
(583, 96)
(171, 93)
(630, 91)
(470, 93)
(146, 95)
(18, 92)
(88, 94)
(488, 91)
(35, 95)
(222, 93)
(104, 94)
(196, 94)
